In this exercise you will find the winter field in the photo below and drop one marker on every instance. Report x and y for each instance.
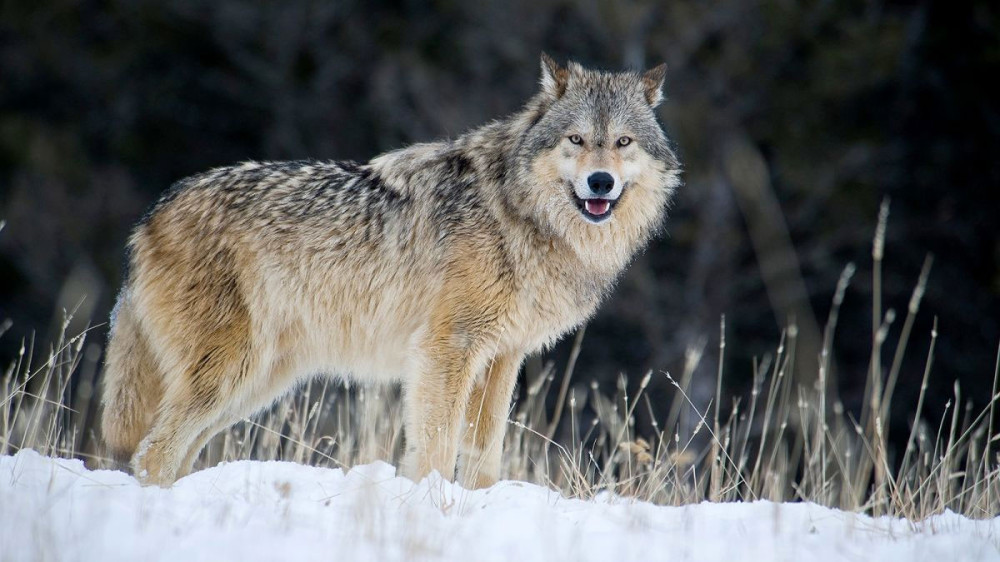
(784, 473)
(55, 509)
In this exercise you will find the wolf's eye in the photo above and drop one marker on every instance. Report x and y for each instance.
(575, 139)
(624, 141)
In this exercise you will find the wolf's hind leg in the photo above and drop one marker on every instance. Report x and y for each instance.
(486, 420)
(225, 420)
(189, 412)
(199, 443)
(244, 401)
(178, 424)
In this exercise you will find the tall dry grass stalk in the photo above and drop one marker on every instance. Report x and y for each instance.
(783, 442)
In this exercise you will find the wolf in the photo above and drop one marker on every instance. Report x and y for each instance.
(439, 266)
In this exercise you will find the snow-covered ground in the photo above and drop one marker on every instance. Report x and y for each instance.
(55, 509)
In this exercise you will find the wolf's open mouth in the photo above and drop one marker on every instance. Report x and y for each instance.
(595, 210)
(597, 207)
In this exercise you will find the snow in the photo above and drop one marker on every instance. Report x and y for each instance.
(56, 509)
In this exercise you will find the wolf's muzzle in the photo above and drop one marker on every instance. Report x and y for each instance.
(601, 183)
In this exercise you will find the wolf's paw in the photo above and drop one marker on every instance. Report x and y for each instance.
(480, 480)
(477, 470)
(152, 467)
(417, 466)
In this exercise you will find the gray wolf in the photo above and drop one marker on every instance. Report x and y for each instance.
(439, 266)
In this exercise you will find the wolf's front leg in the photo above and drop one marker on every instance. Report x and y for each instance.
(434, 402)
(486, 422)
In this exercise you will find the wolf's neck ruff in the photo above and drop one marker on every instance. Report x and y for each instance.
(440, 265)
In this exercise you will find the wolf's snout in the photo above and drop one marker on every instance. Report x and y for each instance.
(601, 183)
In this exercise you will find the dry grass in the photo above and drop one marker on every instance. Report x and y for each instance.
(783, 442)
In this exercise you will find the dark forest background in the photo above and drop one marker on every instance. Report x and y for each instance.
(794, 120)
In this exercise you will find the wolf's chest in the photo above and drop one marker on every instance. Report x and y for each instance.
(545, 310)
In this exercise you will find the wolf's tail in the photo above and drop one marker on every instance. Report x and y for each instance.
(133, 385)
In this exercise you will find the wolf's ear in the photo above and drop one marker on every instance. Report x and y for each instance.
(554, 78)
(652, 82)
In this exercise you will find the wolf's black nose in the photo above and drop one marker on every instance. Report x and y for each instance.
(601, 183)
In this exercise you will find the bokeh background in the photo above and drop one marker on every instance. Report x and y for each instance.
(794, 121)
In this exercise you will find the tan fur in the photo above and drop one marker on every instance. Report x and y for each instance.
(240, 288)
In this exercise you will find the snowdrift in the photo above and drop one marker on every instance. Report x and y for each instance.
(56, 509)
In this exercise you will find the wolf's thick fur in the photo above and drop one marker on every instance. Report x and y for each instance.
(439, 265)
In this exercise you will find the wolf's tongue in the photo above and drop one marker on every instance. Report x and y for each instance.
(597, 206)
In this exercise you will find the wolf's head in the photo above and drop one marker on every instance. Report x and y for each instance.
(596, 166)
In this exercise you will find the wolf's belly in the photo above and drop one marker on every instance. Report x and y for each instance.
(356, 330)
(383, 353)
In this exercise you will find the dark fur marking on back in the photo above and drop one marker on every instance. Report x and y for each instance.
(458, 165)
